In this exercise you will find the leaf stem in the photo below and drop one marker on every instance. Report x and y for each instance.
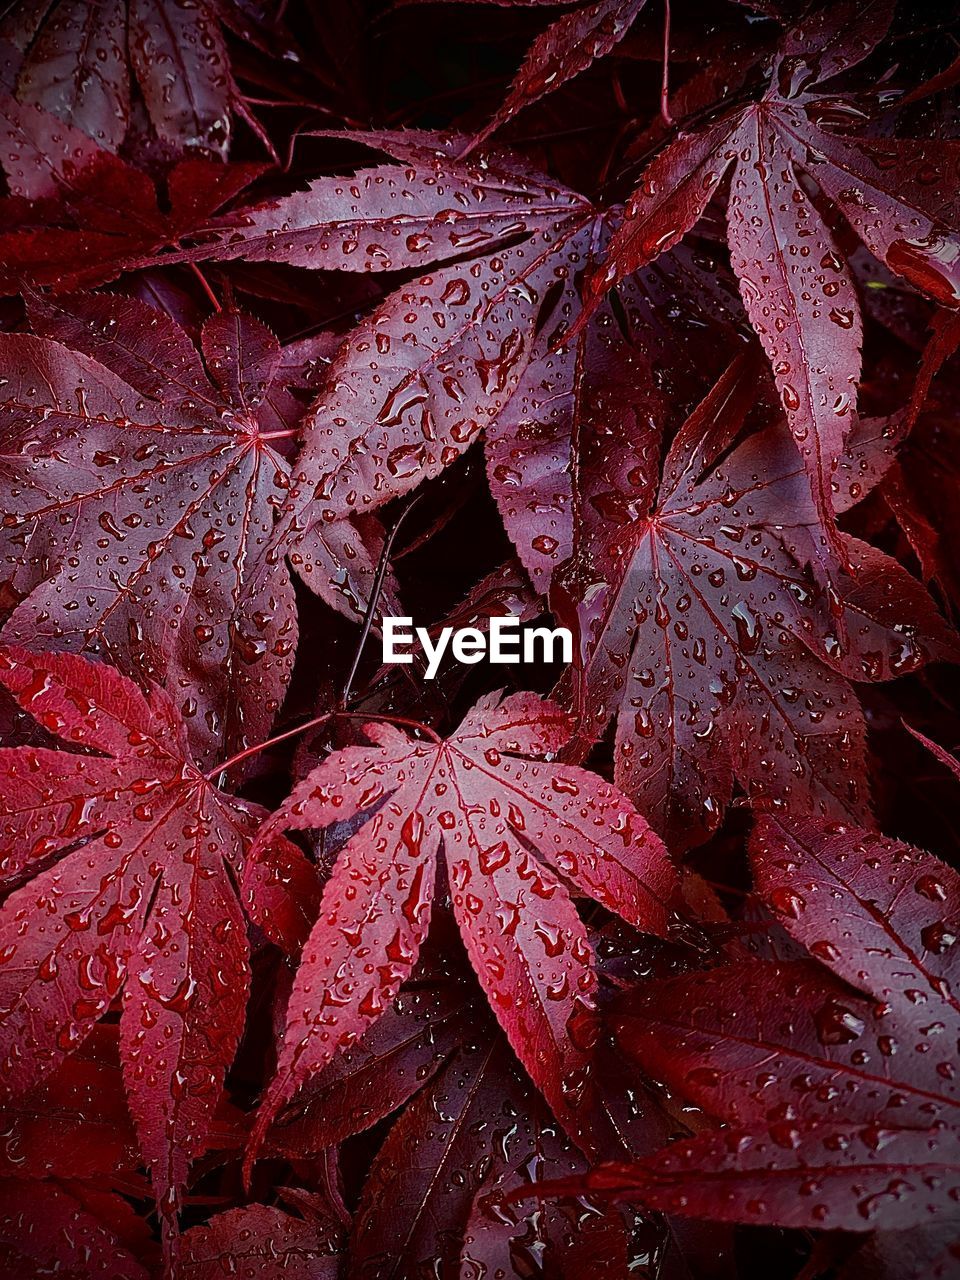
(665, 82)
(263, 746)
(338, 714)
(205, 285)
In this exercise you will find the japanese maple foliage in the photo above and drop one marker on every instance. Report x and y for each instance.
(635, 318)
(839, 1097)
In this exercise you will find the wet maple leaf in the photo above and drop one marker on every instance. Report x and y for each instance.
(466, 352)
(514, 833)
(898, 195)
(471, 1118)
(842, 1110)
(139, 490)
(72, 1229)
(78, 215)
(430, 206)
(565, 49)
(413, 1039)
(261, 1240)
(476, 1127)
(411, 390)
(712, 429)
(75, 1123)
(606, 379)
(128, 855)
(76, 65)
(703, 631)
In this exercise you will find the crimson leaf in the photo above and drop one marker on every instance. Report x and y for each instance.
(496, 814)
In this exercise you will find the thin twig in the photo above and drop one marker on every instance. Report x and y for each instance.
(374, 599)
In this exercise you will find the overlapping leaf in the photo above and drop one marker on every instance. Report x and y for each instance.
(139, 490)
(263, 1241)
(898, 195)
(700, 530)
(75, 60)
(121, 857)
(842, 1110)
(469, 351)
(412, 389)
(71, 1229)
(703, 631)
(567, 47)
(429, 206)
(513, 831)
(79, 215)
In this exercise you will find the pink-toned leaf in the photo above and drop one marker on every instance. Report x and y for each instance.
(410, 391)
(181, 63)
(435, 1160)
(848, 894)
(174, 487)
(430, 207)
(393, 1059)
(702, 627)
(133, 853)
(263, 1241)
(492, 811)
(792, 279)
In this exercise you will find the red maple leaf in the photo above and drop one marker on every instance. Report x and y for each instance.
(795, 281)
(260, 1239)
(703, 631)
(841, 1109)
(79, 215)
(121, 857)
(139, 494)
(514, 832)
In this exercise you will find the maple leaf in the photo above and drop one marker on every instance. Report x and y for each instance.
(180, 60)
(490, 808)
(434, 1159)
(702, 630)
(795, 281)
(470, 349)
(139, 493)
(261, 1240)
(72, 1230)
(429, 207)
(396, 1057)
(130, 853)
(79, 215)
(601, 412)
(75, 65)
(842, 1110)
(567, 47)
(75, 1124)
(411, 390)
(604, 379)
(469, 1132)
